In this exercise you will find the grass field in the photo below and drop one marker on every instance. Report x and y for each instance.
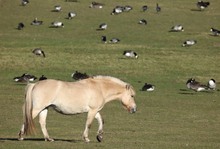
(171, 117)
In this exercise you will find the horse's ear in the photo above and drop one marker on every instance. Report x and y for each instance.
(128, 87)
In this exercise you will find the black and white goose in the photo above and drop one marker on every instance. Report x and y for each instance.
(189, 43)
(20, 78)
(57, 24)
(143, 22)
(25, 78)
(102, 26)
(127, 8)
(130, 54)
(39, 52)
(24, 2)
(117, 10)
(104, 39)
(20, 26)
(79, 76)
(144, 8)
(42, 78)
(202, 5)
(96, 5)
(177, 28)
(158, 8)
(148, 87)
(194, 85)
(211, 84)
(57, 8)
(114, 40)
(71, 15)
(215, 32)
(36, 22)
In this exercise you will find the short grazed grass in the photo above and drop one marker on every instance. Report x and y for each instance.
(171, 117)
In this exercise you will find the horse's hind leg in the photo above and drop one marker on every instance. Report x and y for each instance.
(21, 133)
(100, 129)
(42, 121)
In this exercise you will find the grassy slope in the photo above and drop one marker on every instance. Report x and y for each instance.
(167, 118)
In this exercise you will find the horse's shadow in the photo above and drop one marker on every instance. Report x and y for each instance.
(38, 139)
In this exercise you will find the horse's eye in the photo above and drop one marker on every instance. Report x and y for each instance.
(132, 96)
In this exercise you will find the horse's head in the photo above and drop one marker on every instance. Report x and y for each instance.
(128, 99)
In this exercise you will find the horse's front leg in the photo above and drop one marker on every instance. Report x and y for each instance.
(100, 129)
(90, 118)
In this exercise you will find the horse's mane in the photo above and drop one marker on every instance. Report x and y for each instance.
(116, 80)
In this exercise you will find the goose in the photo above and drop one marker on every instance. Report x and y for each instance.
(142, 22)
(25, 78)
(127, 8)
(215, 32)
(194, 85)
(211, 84)
(130, 53)
(57, 24)
(103, 26)
(202, 5)
(189, 43)
(39, 52)
(114, 40)
(144, 8)
(104, 39)
(117, 10)
(158, 8)
(96, 5)
(42, 78)
(57, 8)
(20, 26)
(36, 22)
(148, 87)
(71, 15)
(177, 28)
(79, 76)
(24, 2)
(20, 78)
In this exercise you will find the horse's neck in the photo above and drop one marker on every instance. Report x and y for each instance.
(113, 93)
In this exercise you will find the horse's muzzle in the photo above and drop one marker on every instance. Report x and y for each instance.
(133, 110)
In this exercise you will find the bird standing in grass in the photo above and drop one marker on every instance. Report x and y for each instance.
(158, 8)
(71, 15)
(102, 26)
(104, 39)
(144, 8)
(39, 52)
(42, 78)
(20, 26)
(211, 84)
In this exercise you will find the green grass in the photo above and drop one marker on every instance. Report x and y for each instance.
(171, 117)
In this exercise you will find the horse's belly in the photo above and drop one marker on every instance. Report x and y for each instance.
(70, 109)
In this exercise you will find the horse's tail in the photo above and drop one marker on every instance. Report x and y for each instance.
(29, 127)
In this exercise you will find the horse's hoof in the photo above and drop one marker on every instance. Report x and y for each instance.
(20, 139)
(86, 140)
(49, 139)
(99, 138)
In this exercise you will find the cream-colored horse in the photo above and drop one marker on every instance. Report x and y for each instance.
(88, 95)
